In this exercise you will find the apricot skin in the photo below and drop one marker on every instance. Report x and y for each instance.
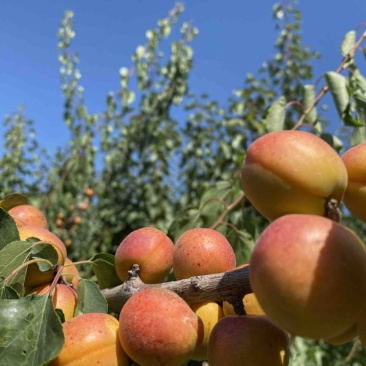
(210, 313)
(28, 215)
(63, 297)
(308, 274)
(34, 276)
(288, 172)
(355, 196)
(148, 247)
(158, 328)
(91, 339)
(247, 340)
(202, 251)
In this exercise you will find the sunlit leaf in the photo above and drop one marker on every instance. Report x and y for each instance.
(12, 200)
(104, 269)
(8, 229)
(275, 117)
(30, 331)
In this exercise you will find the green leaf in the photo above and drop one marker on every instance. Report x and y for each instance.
(7, 292)
(308, 100)
(348, 42)
(8, 229)
(12, 200)
(104, 269)
(338, 86)
(30, 331)
(11, 257)
(44, 251)
(275, 117)
(358, 136)
(332, 140)
(90, 299)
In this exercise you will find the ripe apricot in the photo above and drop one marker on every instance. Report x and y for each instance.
(202, 251)
(288, 172)
(157, 327)
(63, 297)
(28, 215)
(247, 340)
(210, 313)
(91, 339)
(355, 196)
(309, 273)
(148, 247)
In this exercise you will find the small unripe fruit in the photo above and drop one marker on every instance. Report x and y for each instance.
(70, 273)
(309, 275)
(288, 172)
(249, 341)
(202, 251)
(148, 247)
(91, 339)
(157, 327)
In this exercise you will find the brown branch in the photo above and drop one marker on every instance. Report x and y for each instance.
(227, 210)
(227, 286)
(325, 88)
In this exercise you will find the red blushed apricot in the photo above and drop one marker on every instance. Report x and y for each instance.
(34, 276)
(288, 172)
(63, 297)
(28, 215)
(355, 196)
(157, 328)
(247, 340)
(91, 339)
(148, 247)
(202, 251)
(309, 275)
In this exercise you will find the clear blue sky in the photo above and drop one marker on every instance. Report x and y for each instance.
(235, 37)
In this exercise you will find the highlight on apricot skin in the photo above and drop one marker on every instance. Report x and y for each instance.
(247, 340)
(157, 327)
(148, 247)
(91, 339)
(309, 275)
(355, 196)
(284, 174)
(28, 215)
(202, 251)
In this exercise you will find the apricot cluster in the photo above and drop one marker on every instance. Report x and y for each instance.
(32, 223)
(306, 270)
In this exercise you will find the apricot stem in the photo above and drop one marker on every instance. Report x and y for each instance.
(213, 287)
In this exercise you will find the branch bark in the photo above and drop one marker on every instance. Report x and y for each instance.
(228, 286)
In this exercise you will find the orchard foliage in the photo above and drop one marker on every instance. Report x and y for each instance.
(134, 164)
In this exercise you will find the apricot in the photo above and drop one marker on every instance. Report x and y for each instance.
(247, 340)
(309, 273)
(91, 339)
(157, 327)
(202, 251)
(28, 215)
(34, 276)
(63, 297)
(344, 337)
(355, 196)
(288, 172)
(148, 247)
(210, 313)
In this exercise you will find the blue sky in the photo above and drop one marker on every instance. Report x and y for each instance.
(235, 37)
